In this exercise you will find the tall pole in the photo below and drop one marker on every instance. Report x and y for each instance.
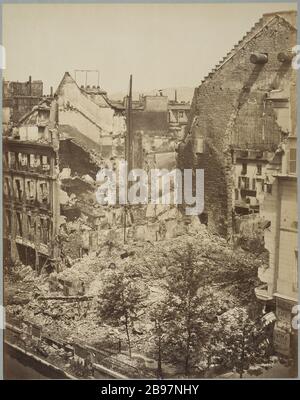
(128, 145)
(129, 128)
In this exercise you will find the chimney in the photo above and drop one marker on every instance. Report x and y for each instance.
(51, 91)
(175, 96)
(29, 83)
(53, 118)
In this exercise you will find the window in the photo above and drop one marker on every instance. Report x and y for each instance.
(292, 161)
(6, 160)
(181, 114)
(30, 227)
(18, 159)
(236, 194)
(240, 182)
(253, 184)
(23, 160)
(7, 187)
(44, 230)
(259, 169)
(31, 161)
(30, 190)
(269, 188)
(43, 192)
(19, 190)
(12, 159)
(245, 184)
(244, 169)
(45, 163)
(19, 225)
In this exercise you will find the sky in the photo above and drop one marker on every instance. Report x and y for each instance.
(161, 45)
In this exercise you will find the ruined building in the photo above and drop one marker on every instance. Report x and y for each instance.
(18, 99)
(30, 190)
(52, 158)
(178, 115)
(87, 115)
(240, 113)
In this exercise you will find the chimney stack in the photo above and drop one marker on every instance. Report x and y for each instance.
(29, 82)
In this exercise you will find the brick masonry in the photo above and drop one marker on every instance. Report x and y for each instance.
(231, 112)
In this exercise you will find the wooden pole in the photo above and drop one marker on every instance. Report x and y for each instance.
(128, 146)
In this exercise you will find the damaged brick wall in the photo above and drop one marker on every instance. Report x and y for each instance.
(231, 112)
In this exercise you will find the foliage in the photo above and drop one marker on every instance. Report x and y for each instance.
(120, 299)
(241, 342)
(183, 316)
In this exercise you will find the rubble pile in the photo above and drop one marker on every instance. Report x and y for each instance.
(147, 264)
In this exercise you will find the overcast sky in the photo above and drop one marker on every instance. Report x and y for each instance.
(161, 45)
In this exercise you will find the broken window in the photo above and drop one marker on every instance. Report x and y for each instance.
(44, 230)
(43, 192)
(30, 195)
(19, 224)
(30, 227)
(40, 230)
(11, 159)
(31, 161)
(244, 182)
(247, 183)
(236, 191)
(244, 169)
(18, 160)
(259, 169)
(23, 160)
(37, 162)
(292, 161)
(45, 163)
(6, 160)
(269, 188)
(19, 189)
(7, 187)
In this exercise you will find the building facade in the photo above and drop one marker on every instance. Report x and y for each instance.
(30, 195)
(280, 277)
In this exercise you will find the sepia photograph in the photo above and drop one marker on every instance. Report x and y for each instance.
(149, 192)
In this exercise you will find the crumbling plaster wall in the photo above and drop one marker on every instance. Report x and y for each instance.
(105, 118)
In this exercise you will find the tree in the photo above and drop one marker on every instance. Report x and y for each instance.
(119, 302)
(242, 342)
(187, 301)
(158, 315)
